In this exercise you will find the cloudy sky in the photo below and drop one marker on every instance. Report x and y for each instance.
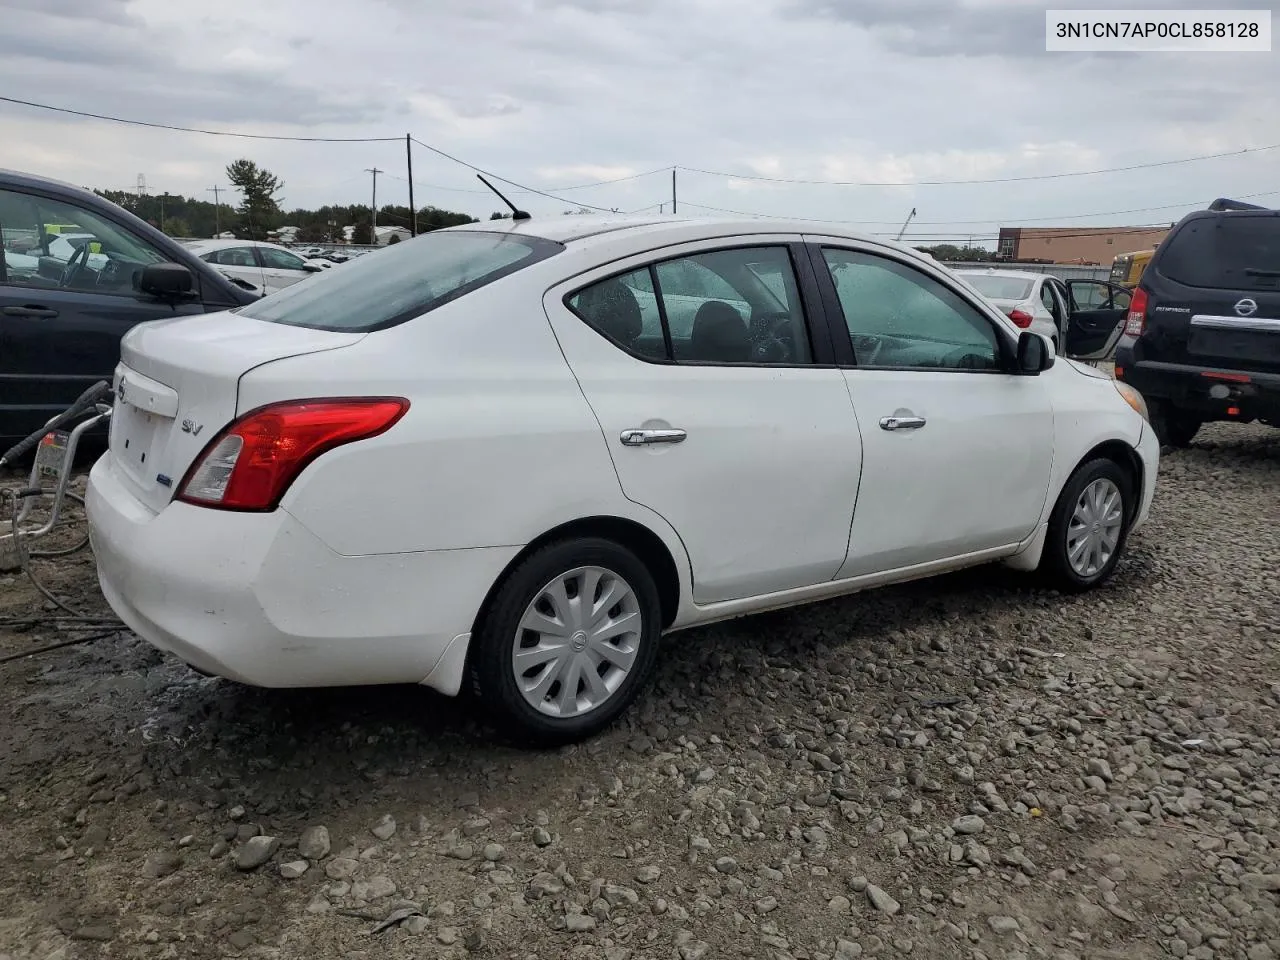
(559, 93)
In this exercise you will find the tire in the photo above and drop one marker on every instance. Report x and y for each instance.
(1056, 564)
(1173, 428)
(502, 630)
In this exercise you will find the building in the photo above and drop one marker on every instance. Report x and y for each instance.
(1084, 245)
(382, 235)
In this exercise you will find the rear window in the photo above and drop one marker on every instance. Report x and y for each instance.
(1237, 250)
(402, 281)
(1000, 288)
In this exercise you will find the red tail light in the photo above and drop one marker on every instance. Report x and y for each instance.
(250, 464)
(1137, 320)
(1021, 318)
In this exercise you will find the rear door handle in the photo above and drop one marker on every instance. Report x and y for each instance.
(638, 438)
(901, 423)
(30, 310)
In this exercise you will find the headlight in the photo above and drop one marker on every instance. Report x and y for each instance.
(1133, 398)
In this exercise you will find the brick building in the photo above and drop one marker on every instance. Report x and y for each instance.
(1089, 245)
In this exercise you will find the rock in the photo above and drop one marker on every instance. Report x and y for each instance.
(341, 868)
(161, 865)
(493, 852)
(294, 869)
(839, 904)
(694, 950)
(882, 901)
(579, 923)
(544, 885)
(766, 905)
(256, 851)
(447, 935)
(236, 813)
(847, 950)
(541, 837)
(727, 865)
(1098, 767)
(969, 824)
(1261, 881)
(385, 828)
(415, 926)
(1002, 925)
(1260, 951)
(314, 843)
(375, 888)
(648, 873)
(220, 848)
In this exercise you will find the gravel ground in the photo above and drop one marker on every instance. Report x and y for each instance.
(967, 767)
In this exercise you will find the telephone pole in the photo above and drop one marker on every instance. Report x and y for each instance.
(373, 205)
(413, 211)
(217, 209)
(673, 190)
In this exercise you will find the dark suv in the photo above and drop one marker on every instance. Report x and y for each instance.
(1202, 339)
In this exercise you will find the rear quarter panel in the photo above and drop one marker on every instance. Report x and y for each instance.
(498, 446)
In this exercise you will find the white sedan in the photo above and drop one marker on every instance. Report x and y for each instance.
(511, 456)
(265, 265)
(1089, 313)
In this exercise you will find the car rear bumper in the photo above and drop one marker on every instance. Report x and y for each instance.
(257, 598)
(1210, 393)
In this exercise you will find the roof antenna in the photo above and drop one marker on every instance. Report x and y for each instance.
(516, 213)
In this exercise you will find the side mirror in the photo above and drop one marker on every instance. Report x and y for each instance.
(166, 281)
(312, 267)
(1035, 354)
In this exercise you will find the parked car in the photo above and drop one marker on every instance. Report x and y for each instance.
(1202, 341)
(487, 457)
(66, 301)
(267, 265)
(1093, 311)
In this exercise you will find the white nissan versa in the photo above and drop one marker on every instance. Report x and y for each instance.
(512, 455)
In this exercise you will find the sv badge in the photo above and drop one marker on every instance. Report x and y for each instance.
(191, 427)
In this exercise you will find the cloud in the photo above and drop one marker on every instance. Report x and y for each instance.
(573, 91)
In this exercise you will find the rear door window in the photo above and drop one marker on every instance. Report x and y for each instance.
(402, 281)
(1240, 251)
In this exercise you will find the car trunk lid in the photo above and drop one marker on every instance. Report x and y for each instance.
(177, 384)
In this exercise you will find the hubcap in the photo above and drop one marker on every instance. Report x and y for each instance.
(577, 642)
(1095, 526)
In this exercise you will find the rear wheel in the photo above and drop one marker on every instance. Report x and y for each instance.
(1089, 526)
(1174, 428)
(567, 642)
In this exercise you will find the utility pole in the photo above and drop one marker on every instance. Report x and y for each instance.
(673, 189)
(373, 205)
(413, 211)
(217, 209)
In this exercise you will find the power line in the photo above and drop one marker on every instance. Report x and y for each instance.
(472, 166)
(212, 133)
(575, 186)
(941, 183)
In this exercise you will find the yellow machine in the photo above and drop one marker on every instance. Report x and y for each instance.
(1127, 268)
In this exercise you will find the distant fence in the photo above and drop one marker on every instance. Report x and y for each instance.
(1063, 271)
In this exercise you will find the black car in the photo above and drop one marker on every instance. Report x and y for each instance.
(1202, 339)
(76, 272)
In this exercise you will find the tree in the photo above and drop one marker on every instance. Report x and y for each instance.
(499, 216)
(177, 227)
(395, 238)
(259, 208)
(363, 233)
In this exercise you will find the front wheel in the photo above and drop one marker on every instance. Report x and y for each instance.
(1089, 526)
(567, 642)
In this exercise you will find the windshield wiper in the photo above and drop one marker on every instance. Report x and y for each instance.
(1255, 272)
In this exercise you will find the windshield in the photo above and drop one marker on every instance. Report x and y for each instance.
(402, 281)
(997, 287)
(1237, 250)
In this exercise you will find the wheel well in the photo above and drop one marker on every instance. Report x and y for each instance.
(1126, 458)
(640, 540)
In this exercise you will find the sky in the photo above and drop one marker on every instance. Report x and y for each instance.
(554, 94)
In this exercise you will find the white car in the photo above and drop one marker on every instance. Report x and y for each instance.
(487, 456)
(268, 266)
(1093, 311)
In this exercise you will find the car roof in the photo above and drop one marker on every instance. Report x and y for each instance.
(996, 272)
(221, 244)
(573, 228)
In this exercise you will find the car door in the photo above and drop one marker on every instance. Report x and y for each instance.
(239, 263)
(727, 427)
(280, 268)
(956, 449)
(1095, 318)
(61, 323)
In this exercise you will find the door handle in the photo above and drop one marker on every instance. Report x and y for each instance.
(638, 438)
(901, 423)
(30, 310)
